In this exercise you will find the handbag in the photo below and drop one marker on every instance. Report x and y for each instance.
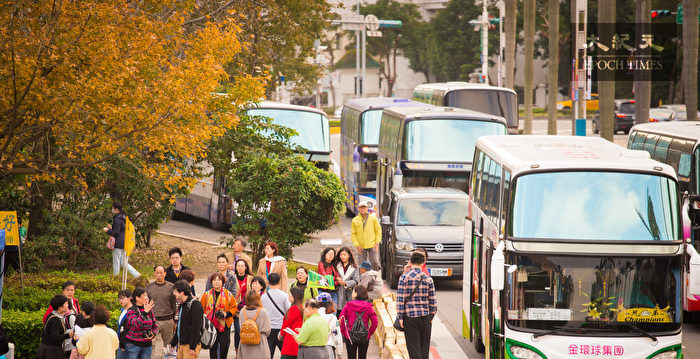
(397, 324)
(111, 242)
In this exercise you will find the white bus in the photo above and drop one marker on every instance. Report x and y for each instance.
(494, 100)
(209, 200)
(576, 251)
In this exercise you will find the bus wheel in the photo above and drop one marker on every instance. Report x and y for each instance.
(220, 226)
(476, 340)
(176, 216)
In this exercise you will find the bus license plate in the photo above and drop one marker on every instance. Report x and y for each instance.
(440, 272)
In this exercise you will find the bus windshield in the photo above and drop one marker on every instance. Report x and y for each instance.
(606, 293)
(371, 122)
(446, 140)
(431, 212)
(493, 102)
(595, 206)
(312, 128)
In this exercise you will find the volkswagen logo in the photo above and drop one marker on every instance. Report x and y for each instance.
(439, 247)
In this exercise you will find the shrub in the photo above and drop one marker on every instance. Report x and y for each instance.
(52, 281)
(25, 328)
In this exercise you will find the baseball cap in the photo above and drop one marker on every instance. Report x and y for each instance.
(364, 204)
(323, 297)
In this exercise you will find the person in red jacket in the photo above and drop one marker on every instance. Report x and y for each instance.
(351, 311)
(327, 267)
(68, 290)
(293, 320)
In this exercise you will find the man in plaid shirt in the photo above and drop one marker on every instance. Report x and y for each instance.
(416, 313)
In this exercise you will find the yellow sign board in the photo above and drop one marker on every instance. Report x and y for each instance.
(8, 222)
(644, 315)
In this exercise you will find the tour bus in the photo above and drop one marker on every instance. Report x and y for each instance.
(209, 200)
(678, 145)
(494, 100)
(429, 147)
(576, 251)
(359, 132)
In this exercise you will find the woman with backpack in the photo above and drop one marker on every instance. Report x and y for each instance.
(349, 276)
(55, 332)
(326, 266)
(302, 282)
(220, 307)
(255, 327)
(358, 321)
(140, 325)
(293, 320)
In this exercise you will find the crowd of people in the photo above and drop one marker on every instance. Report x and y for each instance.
(255, 314)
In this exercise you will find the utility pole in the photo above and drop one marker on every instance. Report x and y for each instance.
(485, 43)
(501, 40)
(358, 74)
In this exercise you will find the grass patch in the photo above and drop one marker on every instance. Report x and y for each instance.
(334, 123)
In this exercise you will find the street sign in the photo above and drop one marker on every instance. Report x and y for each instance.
(390, 23)
(679, 14)
(372, 22)
(353, 22)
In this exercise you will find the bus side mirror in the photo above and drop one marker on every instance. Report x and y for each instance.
(386, 221)
(498, 262)
(693, 270)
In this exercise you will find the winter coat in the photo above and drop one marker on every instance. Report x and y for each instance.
(189, 323)
(351, 278)
(118, 230)
(308, 291)
(351, 311)
(141, 327)
(262, 349)
(278, 265)
(225, 302)
(377, 287)
(365, 235)
(294, 319)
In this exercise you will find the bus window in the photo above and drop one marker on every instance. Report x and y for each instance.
(684, 165)
(494, 102)
(661, 149)
(638, 141)
(483, 185)
(650, 143)
(446, 140)
(371, 121)
(476, 170)
(506, 199)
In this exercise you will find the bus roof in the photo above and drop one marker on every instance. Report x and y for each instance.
(429, 192)
(546, 153)
(459, 85)
(684, 129)
(362, 104)
(440, 112)
(284, 106)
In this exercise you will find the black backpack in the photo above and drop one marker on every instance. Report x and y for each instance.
(358, 332)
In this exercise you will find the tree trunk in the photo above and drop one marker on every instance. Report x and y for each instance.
(606, 83)
(36, 212)
(553, 68)
(642, 79)
(510, 25)
(529, 30)
(690, 58)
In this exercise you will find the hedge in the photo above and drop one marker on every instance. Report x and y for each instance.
(25, 328)
(52, 281)
(38, 299)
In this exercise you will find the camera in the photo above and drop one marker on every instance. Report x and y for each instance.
(221, 314)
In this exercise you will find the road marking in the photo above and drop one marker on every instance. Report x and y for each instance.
(434, 353)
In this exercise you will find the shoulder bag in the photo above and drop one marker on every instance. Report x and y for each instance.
(397, 324)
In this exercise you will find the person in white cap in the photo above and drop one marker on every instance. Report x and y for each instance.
(366, 234)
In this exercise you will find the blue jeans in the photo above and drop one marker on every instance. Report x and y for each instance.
(137, 352)
(118, 262)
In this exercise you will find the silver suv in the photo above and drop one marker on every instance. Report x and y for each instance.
(424, 217)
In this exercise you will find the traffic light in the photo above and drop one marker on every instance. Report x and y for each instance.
(660, 13)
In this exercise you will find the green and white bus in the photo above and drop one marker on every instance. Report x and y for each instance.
(576, 251)
(428, 146)
(494, 100)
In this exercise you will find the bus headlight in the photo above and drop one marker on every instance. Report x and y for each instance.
(671, 354)
(369, 149)
(523, 353)
(404, 246)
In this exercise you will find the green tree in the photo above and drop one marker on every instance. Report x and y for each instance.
(393, 40)
(283, 199)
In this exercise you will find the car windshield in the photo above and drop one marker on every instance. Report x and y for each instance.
(548, 292)
(491, 101)
(371, 121)
(595, 206)
(446, 140)
(431, 212)
(312, 128)
(626, 107)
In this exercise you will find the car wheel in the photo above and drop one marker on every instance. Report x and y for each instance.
(567, 108)
(176, 215)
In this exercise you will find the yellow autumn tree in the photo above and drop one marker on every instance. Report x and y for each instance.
(84, 82)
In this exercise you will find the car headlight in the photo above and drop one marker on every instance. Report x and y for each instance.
(523, 353)
(404, 246)
(560, 106)
(671, 354)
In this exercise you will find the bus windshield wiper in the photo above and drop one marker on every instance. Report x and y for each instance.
(561, 330)
(639, 330)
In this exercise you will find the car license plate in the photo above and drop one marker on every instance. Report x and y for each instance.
(440, 272)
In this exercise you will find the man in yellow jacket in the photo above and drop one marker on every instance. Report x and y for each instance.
(366, 234)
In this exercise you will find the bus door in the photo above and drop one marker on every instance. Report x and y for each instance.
(691, 202)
